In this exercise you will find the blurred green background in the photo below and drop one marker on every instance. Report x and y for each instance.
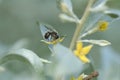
(18, 21)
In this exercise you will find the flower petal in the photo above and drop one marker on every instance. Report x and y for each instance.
(86, 49)
(79, 46)
(84, 59)
(76, 53)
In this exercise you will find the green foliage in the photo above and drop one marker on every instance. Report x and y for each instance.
(26, 56)
(63, 63)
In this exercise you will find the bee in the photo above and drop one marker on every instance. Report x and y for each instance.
(50, 35)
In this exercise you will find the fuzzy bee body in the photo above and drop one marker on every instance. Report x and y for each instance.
(50, 35)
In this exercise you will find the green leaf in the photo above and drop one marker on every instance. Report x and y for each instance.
(93, 20)
(98, 42)
(66, 18)
(2, 69)
(110, 63)
(68, 63)
(114, 13)
(67, 4)
(22, 43)
(66, 8)
(100, 5)
(26, 56)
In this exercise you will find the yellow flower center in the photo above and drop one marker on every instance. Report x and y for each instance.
(103, 25)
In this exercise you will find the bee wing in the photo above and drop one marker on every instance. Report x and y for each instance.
(46, 28)
(43, 29)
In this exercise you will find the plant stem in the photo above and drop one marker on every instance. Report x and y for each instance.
(80, 24)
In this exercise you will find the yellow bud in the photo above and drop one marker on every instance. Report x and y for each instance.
(103, 25)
